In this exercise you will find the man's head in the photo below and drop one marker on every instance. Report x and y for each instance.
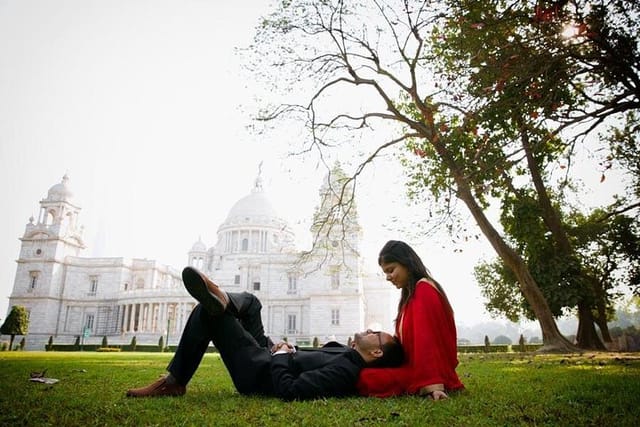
(378, 348)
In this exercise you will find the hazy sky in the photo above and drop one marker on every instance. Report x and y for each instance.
(138, 102)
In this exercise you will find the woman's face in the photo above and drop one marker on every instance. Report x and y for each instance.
(396, 273)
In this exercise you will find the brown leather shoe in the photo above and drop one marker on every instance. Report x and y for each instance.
(158, 389)
(212, 298)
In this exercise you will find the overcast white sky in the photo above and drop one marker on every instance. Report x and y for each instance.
(138, 102)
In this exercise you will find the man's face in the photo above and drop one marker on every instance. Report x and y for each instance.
(370, 340)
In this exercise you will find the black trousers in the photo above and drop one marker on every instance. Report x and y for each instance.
(238, 334)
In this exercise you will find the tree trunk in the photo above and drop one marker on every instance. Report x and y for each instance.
(11, 342)
(601, 313)
(604, 330)
(587, 337)
(553, 340)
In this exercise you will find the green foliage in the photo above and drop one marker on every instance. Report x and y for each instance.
(523, 85)
(499, 287)
(489, 101)
(605, 261)
(161, 343)
(105, 342)
(610, 250)
(134, 343)
(624, 140)
(17, 322)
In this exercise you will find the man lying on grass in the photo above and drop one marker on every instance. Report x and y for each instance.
(232, 322)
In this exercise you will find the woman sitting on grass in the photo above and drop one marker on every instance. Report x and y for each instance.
(425, 327)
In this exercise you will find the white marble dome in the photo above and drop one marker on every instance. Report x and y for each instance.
(254, 205)
(253, 226)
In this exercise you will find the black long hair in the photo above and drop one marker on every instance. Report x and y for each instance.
(403, 254)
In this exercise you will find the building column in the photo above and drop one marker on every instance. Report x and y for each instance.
(130, 317)
(162, 316)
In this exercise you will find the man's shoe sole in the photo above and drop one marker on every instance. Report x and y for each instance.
(196, 286)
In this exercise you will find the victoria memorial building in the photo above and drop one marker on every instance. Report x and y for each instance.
(321, 293)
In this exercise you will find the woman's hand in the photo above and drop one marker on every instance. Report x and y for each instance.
(435, 394)
(439, 395)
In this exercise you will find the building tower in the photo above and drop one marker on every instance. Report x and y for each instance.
(336, 252)
(46, 244)
(335, 227)
(198, 254)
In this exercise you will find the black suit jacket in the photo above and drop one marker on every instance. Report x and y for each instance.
(324, 372)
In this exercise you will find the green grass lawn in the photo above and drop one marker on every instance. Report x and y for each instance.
(502, 390)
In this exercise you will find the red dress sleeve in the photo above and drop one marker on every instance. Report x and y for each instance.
(429, 341)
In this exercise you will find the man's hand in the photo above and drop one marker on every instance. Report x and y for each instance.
(282, 347)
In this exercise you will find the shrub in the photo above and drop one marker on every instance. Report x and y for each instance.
(483, 349)
(16, 323)
(487, 343)
(104, 341)
(4, 346)
(133, 343)
(108, 349)
(316, 342)
(161, 343)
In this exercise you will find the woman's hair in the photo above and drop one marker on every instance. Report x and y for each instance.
(403, 254)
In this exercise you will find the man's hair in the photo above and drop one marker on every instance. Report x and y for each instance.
(392, 355)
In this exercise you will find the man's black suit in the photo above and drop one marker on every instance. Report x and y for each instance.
(238, 334)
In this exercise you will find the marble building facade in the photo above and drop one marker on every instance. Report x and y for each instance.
(323, 293)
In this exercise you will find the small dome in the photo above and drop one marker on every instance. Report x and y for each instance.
(60, 191)
(199, 246)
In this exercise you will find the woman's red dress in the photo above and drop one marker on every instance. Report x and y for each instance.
(427, 331)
